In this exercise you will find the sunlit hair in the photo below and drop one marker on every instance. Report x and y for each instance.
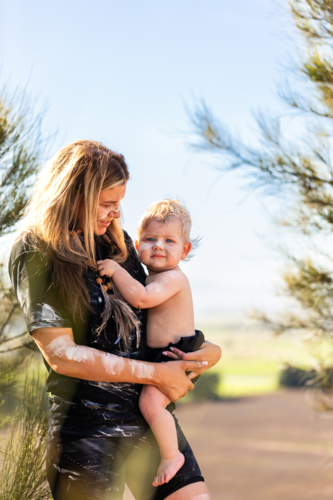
(166, 210)
(76, 175)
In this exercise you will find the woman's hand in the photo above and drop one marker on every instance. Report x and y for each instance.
(208, 352)
(171, 379)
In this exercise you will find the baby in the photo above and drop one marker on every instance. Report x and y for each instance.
(163, 241)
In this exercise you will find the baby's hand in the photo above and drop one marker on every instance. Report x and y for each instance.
(107, 267)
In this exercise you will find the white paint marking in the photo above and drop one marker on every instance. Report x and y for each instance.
(64, 346)
(113, 364)
(142, 370)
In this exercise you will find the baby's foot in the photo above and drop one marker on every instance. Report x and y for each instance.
(168, 468)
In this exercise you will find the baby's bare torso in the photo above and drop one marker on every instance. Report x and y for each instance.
(172, 319)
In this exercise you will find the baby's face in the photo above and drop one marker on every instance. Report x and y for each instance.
(161, 245)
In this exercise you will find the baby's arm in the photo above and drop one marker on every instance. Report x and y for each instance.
(164, 286)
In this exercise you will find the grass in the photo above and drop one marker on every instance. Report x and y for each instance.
(251, 361)
(23, 473)
(24, 374)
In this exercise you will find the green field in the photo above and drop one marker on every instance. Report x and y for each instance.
(250, 365)
(252, 360)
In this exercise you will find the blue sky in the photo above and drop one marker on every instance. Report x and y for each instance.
(120, 72)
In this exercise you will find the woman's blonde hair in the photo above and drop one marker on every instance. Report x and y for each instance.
(76, 175)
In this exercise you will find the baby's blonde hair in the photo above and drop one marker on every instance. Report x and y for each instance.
(164, 211)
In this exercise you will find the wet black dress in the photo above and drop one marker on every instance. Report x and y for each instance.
(98, 439)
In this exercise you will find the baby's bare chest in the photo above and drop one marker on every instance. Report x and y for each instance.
(171, 320)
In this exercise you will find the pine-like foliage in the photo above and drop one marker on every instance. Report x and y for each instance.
(20, 150)
(300, 170)
(21, 145)
(23, 473)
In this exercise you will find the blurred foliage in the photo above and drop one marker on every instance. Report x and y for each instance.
(26, 446)
(299, 171)
(21, 144)
(205, 388)
(296, 377)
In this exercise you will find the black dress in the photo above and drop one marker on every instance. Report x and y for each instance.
(88, 421)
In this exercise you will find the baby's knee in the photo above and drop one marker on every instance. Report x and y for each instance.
(147, 401)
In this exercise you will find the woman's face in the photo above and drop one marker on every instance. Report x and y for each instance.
(108, 208)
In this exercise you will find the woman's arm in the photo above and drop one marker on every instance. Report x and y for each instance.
(67, 358)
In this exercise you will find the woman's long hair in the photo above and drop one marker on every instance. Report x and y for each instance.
(75, 176)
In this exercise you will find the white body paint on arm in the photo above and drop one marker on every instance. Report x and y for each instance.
(112, 364)
(64, 346)
(142, 370)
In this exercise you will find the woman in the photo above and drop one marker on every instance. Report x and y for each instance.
(95, 353)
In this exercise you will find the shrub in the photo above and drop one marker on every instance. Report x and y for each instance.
(291, 376)
(206, 387)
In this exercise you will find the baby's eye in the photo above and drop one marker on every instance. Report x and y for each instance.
(168, 240)
(150, 239)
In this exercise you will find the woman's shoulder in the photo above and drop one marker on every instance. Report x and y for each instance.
(30, 272)
(25, 250)
(19, 249)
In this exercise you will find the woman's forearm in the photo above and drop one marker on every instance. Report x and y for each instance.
(67, 358)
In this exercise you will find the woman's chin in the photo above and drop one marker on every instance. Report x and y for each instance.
(100, 230)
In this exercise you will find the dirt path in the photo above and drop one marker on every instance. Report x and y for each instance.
(270, 447)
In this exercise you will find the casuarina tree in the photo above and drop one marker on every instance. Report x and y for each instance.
(21, 146)
(300, 171)
(22, 149)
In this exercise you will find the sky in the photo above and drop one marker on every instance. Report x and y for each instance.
(123, 73)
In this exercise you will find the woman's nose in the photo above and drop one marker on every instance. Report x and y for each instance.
(115, 213)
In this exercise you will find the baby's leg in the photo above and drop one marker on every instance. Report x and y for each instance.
(152, 405)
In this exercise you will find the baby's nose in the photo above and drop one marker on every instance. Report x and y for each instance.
(159, 243)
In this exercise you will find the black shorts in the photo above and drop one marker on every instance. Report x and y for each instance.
(185, 344)
(97, 468)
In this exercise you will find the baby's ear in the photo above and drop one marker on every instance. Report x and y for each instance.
(136, 245)
(186, 250)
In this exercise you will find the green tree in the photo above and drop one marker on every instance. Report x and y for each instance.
(301, 171)
(21, 146)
